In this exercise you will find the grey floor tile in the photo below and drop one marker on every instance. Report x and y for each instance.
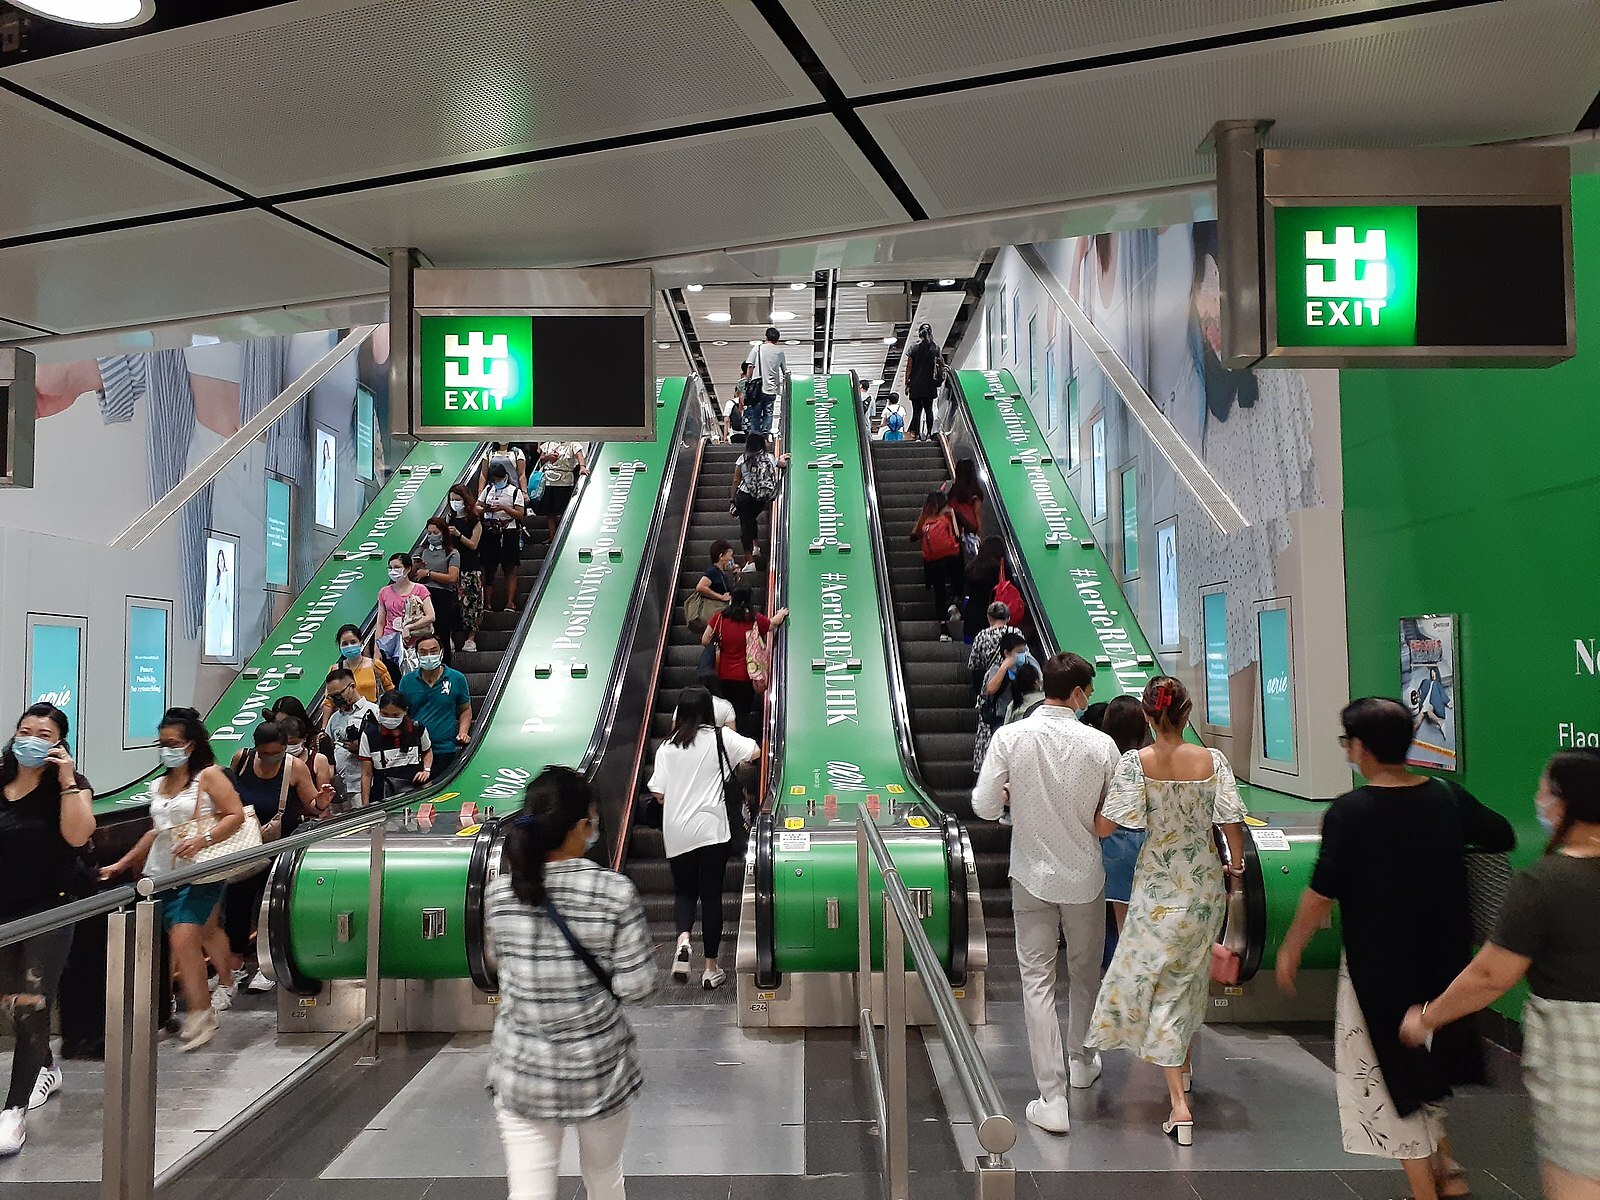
(1384, 1185)
(1521, 1181)
(1112, 1185)
(1269, 1185)
(808, 1187)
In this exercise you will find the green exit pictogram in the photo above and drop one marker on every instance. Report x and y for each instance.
(476, 372)
(1346, 276)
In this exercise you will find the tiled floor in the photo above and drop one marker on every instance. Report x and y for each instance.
(781, 1115)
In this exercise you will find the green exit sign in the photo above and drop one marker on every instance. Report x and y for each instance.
(476, 373)
(1346, 275)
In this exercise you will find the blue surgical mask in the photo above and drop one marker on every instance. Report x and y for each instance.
(31, 751)
(174, 756)
(1545, 818)
(430, 662)
(350, 652)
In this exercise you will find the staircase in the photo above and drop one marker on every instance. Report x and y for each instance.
(709, 520)
(937, 683)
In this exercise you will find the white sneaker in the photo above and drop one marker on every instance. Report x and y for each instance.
(1005, 817)
(198, 1029)
(1083, 1074)
(1050, 1115)
(470, 646)
(680, 961)
(222, 997)
(48, 1085)
(748, 569)
(13, 1131)
(714, 977)
(259, 983)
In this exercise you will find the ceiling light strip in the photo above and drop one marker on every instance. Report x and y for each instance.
(1188, 465)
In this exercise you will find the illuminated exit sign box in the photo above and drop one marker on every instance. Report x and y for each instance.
(1455, 257)
(525, 355)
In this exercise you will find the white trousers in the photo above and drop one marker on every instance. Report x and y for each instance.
(1083, 926)
(533, 1155)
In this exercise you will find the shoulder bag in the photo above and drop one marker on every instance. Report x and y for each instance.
(246, 837)
(700, 607)
(732, 792)
(601, 975)
(273, 829)
(1007, 593)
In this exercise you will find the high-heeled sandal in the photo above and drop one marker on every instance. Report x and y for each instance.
(1183, 1131)
(1188, 1080)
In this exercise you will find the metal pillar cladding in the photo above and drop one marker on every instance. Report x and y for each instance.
(128, 1138)
(403, 263)
(895, 1129)
(374, 981)
(1239, 244)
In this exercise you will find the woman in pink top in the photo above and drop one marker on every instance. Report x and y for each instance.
(406, 608)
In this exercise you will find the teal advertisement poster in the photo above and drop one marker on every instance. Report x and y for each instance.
(364, 432)
(55, 668)
(1277, 691)
(147, 672)
(1219, 707)
(277, 533)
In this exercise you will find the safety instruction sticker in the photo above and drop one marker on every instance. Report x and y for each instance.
(894, 789)
(794, 822)
(1270, 839)
(917, 822)
(798, 789)
(800, 842)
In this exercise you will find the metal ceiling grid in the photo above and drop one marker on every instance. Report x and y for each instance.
(309, 94)
(722, 361)
(893, 44)
(1456, 78)
(59, 173)
(639, 202)
(235, 261)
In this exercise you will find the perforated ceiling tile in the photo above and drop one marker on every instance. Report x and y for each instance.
(1455, 79)
(904, 43)
(321, 91)
(186, 268)
(58, 173)
(617, 205)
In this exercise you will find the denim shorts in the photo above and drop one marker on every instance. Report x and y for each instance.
(1119, 853)
(191, 904)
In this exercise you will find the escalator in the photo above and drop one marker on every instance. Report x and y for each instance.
(644, 858)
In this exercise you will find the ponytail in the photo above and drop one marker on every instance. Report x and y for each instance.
(556, 800)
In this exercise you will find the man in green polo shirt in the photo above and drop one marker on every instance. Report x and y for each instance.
(440, 703)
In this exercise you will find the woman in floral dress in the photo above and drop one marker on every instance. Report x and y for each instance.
(1153, 998)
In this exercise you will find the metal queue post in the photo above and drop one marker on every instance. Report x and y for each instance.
(995, 1177)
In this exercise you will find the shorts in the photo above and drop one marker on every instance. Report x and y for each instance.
(555, 500)
(191, 904)
(501, 545)
(1119, 854)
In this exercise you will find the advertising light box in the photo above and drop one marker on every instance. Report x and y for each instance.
(533, 355)
(148, 642)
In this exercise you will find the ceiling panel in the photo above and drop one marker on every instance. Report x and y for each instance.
(615, 205)
(59, 173)
(10, 332)
(1451, 79)
(232, 262)
(892, 44)
(312, 93)
(722, 361)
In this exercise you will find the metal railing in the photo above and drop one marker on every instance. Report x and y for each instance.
(994, 1176)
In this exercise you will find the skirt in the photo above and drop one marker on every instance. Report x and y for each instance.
(1367, 1118)
(1561, 1067)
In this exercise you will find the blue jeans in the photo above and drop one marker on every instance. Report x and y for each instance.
(758, 417)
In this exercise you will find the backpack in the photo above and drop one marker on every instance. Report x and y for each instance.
(1006, 592)
(939, 539)
(535, 491)
(757, 659)
(762, 476)
(938, 368)
(894, 427)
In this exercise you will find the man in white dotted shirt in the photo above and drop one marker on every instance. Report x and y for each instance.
(1057, 772)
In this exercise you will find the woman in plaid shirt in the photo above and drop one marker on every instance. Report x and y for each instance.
(571, 945)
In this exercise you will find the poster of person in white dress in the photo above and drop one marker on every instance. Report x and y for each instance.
(222, 597)
(1428, 687)
(327, 456)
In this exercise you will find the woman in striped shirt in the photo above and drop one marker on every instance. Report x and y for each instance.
(572, 946)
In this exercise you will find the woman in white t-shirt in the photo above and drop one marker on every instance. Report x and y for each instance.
(691, 766)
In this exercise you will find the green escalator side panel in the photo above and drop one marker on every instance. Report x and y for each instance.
(556, 686)
(343, 591)
(840, 756)
(1286, 874)
(419, 874)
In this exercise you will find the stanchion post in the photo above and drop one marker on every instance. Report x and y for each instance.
(896, 1128)
(374, 940)
(120, 951)
(863, 919)
(133, 973)
(994, 1178)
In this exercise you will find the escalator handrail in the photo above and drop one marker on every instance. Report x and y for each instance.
(900, 714)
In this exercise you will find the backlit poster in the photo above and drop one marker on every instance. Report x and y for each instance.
(1214, 618)
(1277, 685)
(365, 432)
(327, 457)
(1428, 687)
(1130, 522)
(1052, 402)
(222, 599)
(1097, 466)
(277, 531)
(149, 623)
(1167, 583)
(55, 667)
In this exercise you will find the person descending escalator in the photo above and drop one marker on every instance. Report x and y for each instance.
(562, 464)
(370, 675)
(503, 505)
(466, 523)
(940, 539)
(396, 753)
(349, 711)
(439, 700)
(437, 566)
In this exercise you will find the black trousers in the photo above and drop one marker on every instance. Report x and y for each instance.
(697, 879)
(749, 509)
(944, 576)
(29, 968)
(746, 704)
(920, 408)
(241, 905)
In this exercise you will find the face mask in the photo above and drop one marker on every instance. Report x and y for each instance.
(269, 760)
(352, 651)
(397, 573)
(174, 756)
(429, 662)
(389, 722)
(31, 751)
(458, 507)
(434, 541)
(497, 483)
(1546, 818)
(296, 751)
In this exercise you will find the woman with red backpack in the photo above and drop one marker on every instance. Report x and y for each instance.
(730, 631)
(940, 538)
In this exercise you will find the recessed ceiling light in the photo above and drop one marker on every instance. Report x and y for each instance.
(889, 341)
(780, 314)
(97, 14)
(719, 343)
(798, 287)
(663, 345)
(791, 342)
(721, 318)
(863, 283)
(696, 287)
(798, 378)
(947, 283)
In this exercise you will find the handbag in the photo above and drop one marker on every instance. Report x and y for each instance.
(1006, 592)
(601, 975)
(246, 837)
(1227, 954)
(732, 792)
(700, 607)
(273, 829)
(757, 659)
(535, 492)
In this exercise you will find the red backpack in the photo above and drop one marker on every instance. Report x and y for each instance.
(939, 539)
(1007, 593)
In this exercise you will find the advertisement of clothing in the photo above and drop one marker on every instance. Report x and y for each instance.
(327, 492)
(222, 598)
(1428, 687)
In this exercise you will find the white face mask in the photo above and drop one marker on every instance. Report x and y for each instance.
(397, 573)
(174, 756)
(389, 722)
(458, 507)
